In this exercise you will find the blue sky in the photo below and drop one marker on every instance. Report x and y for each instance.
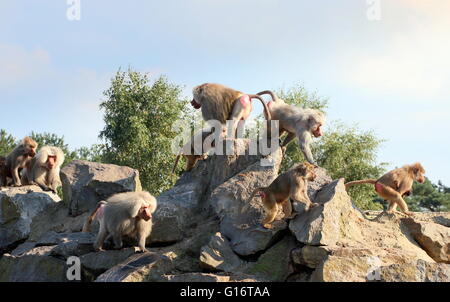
(391, 76)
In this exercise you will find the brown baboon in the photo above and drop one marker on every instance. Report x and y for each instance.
(44, 169)
(395, 184)
(3, 171)
(122, 214)
(222, 103)
(192, 153)
(298, 122)
(18, 159)
(291, 184)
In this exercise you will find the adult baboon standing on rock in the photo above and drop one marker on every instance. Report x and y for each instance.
(395, 184)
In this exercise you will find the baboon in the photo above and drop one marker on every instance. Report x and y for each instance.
(192, 153)
(298, 122)
(291, 184)
(123, 214)
(18, 159)
(3, 171)
(222, 103)
(395, 184)
(44, 169)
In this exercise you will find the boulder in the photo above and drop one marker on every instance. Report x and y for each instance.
(203, 277)
(86, 183)
(433, 238)
(218, 255)
(353, 268)
(419, 271)
(310, 256)
(68, 244)
(35, 265)
(138, 268)
(18, 207)
(274, 264)
(98, 263)
(327, 222)
(244, 230)
(55, 218)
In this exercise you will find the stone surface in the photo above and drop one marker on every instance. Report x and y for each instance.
(34, 266)
(420, 271)
(325, 224)
(274, 264)
(56, 218)
(218, 255)
(433, 238)
(100, 262)
(203, 277)
(18, 207)
(138, 268)
(86, 183)
(310, 256)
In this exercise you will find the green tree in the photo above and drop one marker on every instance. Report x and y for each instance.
(95, 153)
(138, 131)
(7, 143)
(429, 197)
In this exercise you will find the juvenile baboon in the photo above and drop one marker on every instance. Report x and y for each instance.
(298, 122)
(123, 214)
(18, 159)
(192, 153)
(44, 168)
(395, 184)
(222, 103)
(291, 184)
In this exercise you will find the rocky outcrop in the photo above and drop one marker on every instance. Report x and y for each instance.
(18, 208)
(203, 232)
(86, 183)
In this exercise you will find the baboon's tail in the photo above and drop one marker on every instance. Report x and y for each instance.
(87, 224)
(176, 163)
(266, 109)
(358, 182)
(245, 207)
(271, 93)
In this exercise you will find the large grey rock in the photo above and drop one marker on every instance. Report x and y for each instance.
(203, 277)
(86, 183)
(55, 218)
(433, 238)
(218, 255)
(35, 266)
(97, 263)
(68, 244)
(310, 256)
(18, 207)
(420, 271)
(244, 230)
(138, 268)
(189, 202)
(275, 264)
(324, 224)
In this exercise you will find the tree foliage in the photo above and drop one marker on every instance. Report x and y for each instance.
(7, 143)
(138, 131)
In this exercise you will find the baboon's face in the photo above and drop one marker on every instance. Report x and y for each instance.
(30, 148)
(307, 170)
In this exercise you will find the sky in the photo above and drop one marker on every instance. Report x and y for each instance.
(383, 65)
